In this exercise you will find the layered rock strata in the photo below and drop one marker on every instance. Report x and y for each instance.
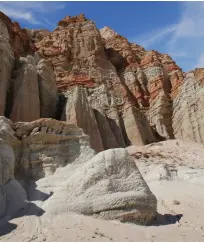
(6, 65)
(76, 44)
(28, 87)
(116, 91)
(188, 108)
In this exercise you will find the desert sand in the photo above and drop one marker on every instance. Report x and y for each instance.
(177, 181)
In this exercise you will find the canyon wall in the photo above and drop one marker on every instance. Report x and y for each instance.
(116, 91)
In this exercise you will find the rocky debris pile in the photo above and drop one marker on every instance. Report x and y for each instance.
(171, 160)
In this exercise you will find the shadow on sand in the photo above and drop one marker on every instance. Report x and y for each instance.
(166, 219)
(7, 228)
(28, 209)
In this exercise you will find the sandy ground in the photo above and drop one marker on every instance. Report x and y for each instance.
(72, 227)
(175, 176)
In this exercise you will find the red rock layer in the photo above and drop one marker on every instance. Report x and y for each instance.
(199, 74)
(19, 39)
(73, 47)
(73, 79)
(117, 78)
(72, 20)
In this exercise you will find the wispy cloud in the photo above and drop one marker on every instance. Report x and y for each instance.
(18, 14)
(156, 36)
(182, 40)
(191, 22)
(189, 35)
(31, 11)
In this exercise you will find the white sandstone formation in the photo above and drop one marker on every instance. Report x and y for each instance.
(110, 186)
(58, 157)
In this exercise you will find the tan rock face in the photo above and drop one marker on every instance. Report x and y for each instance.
(76, 51)
(20, 42)
(188, 108)
(32, 92)
(37, 34)
(78, 111)
(47, 144)
(6, 65)
(26, 103)
(47, 89)
(146, 77)
(116, 91)
(12, 195)
(74, 48)
(7, 155)
(20, 97)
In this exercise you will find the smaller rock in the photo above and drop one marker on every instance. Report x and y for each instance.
(176, 202)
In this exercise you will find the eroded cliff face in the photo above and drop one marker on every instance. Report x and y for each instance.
(27, 81)
(6, 65)
(116, 91)
(98, 99)
(188, 108)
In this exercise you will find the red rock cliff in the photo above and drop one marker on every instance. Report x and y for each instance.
(119, 93)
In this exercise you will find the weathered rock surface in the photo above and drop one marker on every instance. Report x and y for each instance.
(147, 77)
(40, 147)
(26, 103)
(20, 42)
(171, 160)
(47, 144)
(47, 89)
(78, 111)
(7, 154)
(6, 65)
(32, 92)
(28, 92)
(188, 108)
(76, 44)
(116, 91)
(109, 185)
(37, 34)
(118, 94)
(160, 115)
(59, 157)
(12, 194)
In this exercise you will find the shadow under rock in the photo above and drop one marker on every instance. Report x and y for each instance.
(35, 194)
(28, 208)
(166, 219)
(7, 228)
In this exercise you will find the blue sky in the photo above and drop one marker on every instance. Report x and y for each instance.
(175, 28)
